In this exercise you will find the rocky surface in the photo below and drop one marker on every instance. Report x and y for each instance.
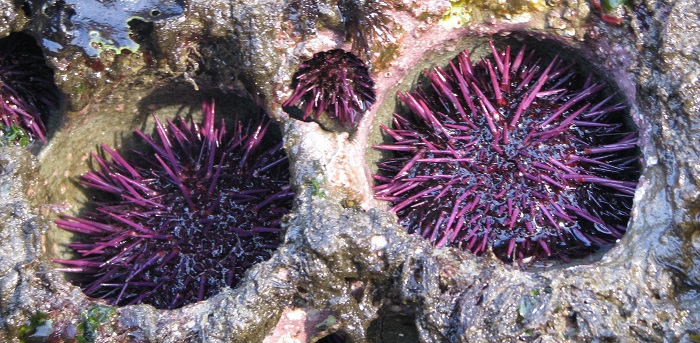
(345, 263)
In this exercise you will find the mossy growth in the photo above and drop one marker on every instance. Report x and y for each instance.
(317, 189)
(610, 5)
(463, 12)
(13, 135)
(37, 327)
(91, 322)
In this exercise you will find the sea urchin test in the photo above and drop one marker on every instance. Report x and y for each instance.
(528, 157)
(185, 217)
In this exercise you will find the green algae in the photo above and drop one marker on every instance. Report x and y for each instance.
(92, 320)
(610, 5)
(38, 327)
(13, 134)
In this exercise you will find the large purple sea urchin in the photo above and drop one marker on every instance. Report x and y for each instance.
(27, 90)
(530, 159)
(336, 82)
(180, 222)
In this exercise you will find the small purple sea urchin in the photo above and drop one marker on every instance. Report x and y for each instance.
(528, 159)
(27, 90)
(336, 82)
(176, 225)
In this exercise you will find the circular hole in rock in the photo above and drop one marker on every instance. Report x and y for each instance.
(170, 215)
(520, 147)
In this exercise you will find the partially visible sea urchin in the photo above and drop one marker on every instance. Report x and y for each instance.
(185, 219)
(336, 82)
(366, 24)
(27, 90)
(532, 160)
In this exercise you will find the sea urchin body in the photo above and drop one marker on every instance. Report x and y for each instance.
(530, 159)
(180, 222)
(336, 82)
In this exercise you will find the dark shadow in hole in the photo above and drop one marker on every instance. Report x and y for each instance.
(26, 8)
(393, 327)
(336, 337)
(142, 34)
(229, 105)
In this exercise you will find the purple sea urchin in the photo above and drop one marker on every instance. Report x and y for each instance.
(529, 159)
(176, 225)
(27, 90)
(336, 82)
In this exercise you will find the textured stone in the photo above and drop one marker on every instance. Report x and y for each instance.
(344, 257)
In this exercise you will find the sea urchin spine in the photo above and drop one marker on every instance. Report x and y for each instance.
(336, 82)
(511, 154)
(176, 225)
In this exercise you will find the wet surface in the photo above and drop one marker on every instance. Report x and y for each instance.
(95, 25)
(343, 252)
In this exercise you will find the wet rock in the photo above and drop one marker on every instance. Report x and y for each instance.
(346, 264)
(96, 26)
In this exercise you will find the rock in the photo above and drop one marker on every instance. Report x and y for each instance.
(346, 265)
